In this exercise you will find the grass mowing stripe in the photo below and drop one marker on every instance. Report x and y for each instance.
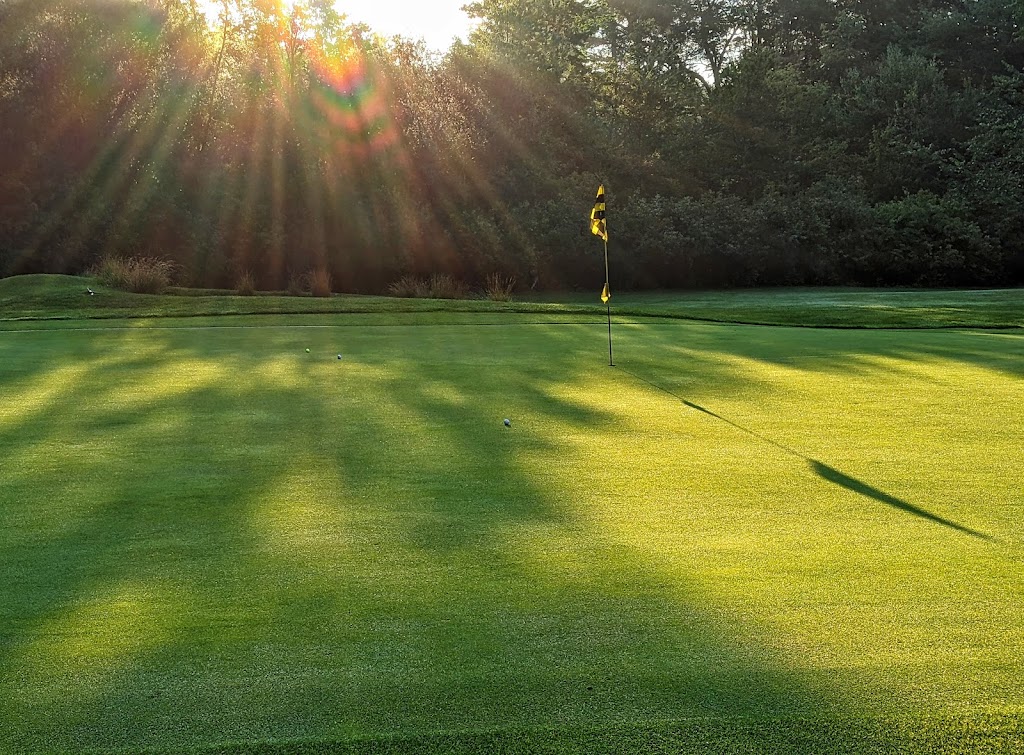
(211, 536)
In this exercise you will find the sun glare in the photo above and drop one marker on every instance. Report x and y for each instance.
(214, 9)
(437, 22)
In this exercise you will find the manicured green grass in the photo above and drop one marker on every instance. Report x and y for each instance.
(738, 540)
(832, 307)
(55, 297)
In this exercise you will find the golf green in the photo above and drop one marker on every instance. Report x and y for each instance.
(737, 539)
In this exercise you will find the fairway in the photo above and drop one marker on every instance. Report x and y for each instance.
(744, 538)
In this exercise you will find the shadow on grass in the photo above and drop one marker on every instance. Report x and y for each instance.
(846, 352)
(838, 478)
(211, 537)
(850, 483)
(828, 473)
(300, 548)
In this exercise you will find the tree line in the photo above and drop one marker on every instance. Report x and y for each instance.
(742, 142)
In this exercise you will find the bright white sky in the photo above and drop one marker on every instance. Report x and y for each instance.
(437, 22)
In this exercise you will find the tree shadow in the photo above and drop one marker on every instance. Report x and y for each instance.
(849, 351)
(436, 540)
(219, 604)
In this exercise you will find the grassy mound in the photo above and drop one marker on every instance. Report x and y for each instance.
(48, 297)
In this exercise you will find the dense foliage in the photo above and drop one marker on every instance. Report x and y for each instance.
(743, 142)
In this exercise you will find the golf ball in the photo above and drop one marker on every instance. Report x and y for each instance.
(339, 356)
(307, 351)
(508, 422)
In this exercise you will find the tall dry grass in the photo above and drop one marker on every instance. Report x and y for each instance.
(245, 285)
(437, 286)
(409, 287)
(320, 283)
(296, 284)
(443, 286)
(498, 287)
(141, 275)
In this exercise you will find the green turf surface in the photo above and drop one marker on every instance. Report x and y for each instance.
(42, 297)
(738, 540)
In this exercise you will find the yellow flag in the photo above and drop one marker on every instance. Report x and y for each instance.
(598, 224)
(605, 294)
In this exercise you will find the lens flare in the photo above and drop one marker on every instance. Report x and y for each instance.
(350, 101)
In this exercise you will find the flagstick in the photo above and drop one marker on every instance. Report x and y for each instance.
(611, 361)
